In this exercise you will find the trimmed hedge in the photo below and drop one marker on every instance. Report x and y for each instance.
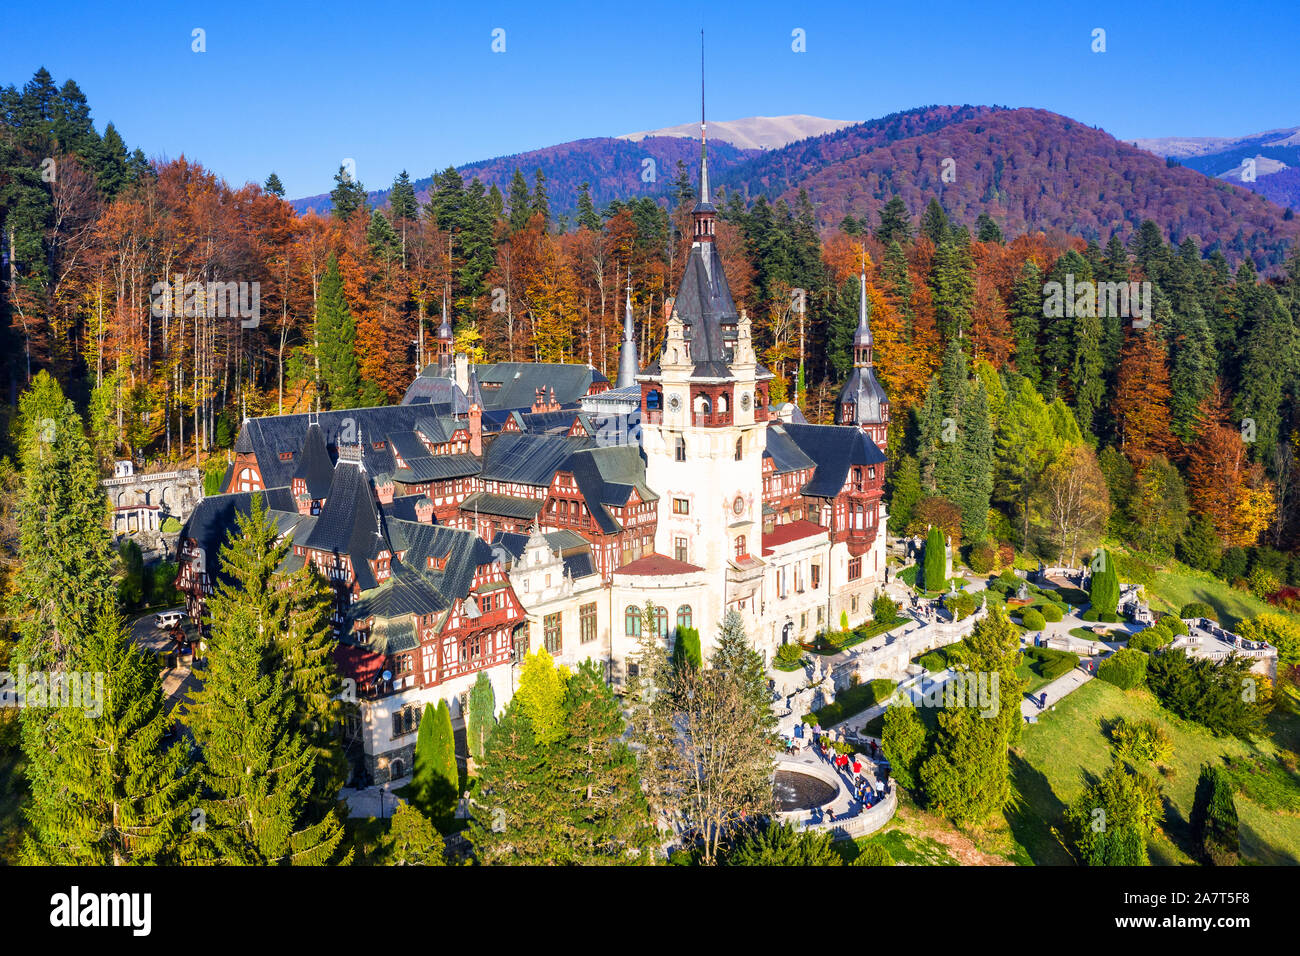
(1150, 639)
(1198, 609)
(1051, 662)
(1092, 615)
(852, 700)
(1032, 619)
(1126, 669)
(1051, 612)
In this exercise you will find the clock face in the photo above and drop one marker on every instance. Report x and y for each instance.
(738, 506)
(674, 402)
(744, 401)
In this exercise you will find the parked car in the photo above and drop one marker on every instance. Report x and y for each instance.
(166, 620)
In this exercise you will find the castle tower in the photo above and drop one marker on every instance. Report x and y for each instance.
(863, 401)
(704, 414)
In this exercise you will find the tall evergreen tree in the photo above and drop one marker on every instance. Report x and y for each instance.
(934, 222)
(347, 196)
(519, 202)
(273, 185)
(895, 222)
(336, 333)
(258, 766)
(401, 199)
(436, 778)
(120, 792)
(587, 217)
(482, 715)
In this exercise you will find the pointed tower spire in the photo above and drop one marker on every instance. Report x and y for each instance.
(628, 362)
(862, 341)
(703, 213)
(444, 339)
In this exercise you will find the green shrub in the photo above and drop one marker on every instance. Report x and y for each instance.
(1174, 625)
(934, 560)
(789, 657)
(1126, 669)
(1150, 639)
(851, 701)
(883, 608)
(1198, 609)
(1032, 619)
(171, 524)
(873, 854)
(1010, 577)
(983, 558)
(1051, 612)
(933, 661)
(686, 651)
(1051, 663)
(1141, 740)
(960, 605)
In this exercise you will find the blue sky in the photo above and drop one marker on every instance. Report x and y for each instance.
(298, 86)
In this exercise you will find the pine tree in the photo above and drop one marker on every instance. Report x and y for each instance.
(1270, 355)
(119, 791)
(1026, 313)
(736, 657)
(257, 771)
(412, 840)
(895, 222)
(347, 196)
(975, 460)
(1191, 379)
(541, 203)
(902, 737)
(904, 495)
(401, 199)
(587, 217)
(952, 283)
(273, 186)
(967, 777)
(986, 230)
(934, 222)
(336, 332)
(436, 778)
(519, 202)
(482, 715)
(599, 793)
(252, 717)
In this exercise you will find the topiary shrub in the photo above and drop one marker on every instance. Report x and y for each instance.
(1174, 625)
(1198, 609)
(1104, 590)
(1126, 669)
(1032, 619)
(789, 657)
(933, 561)
(1150, 639)
(934, 661)
(1051, 612)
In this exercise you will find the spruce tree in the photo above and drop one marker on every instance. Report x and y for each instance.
(1026, 313)
(967, 777)
(118, 792)
(336, 333)
(736, 657)
(607, 818)
(518, 201)
(273, 186)
(251, 717)
(587, 217)
(412, 840)
(934, 222)
(401, 199)
(347, 196)
(895, 222)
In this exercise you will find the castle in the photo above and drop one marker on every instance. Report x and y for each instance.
(507, 507)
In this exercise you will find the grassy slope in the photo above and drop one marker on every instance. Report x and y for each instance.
(1174, 588)
(1068, 742)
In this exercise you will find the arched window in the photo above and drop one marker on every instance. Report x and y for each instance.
(684, 616)
(702, 406)
(722, 405)
(661, 622)
(397, 769)
(740, 449)
(632, 621)
(741, 548)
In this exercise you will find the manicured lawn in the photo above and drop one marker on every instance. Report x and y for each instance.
(853, 700)
(1068, 743)
(1172, 589)
(1027, 672)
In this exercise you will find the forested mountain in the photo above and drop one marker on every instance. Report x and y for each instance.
(1028, 168)
(614, 168)
(1276, 156)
